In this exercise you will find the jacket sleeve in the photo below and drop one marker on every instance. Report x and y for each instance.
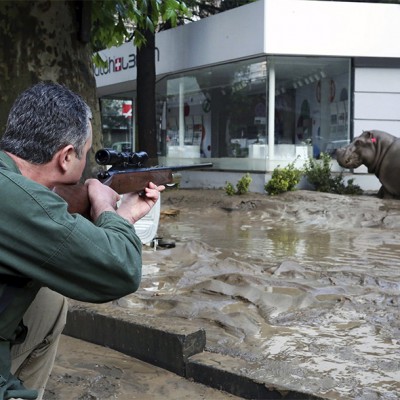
(90, 262)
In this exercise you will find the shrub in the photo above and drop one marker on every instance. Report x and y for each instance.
(283, 179)
(229, 189)
(318, 173)
(242, 187)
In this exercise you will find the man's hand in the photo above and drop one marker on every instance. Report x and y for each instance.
(134, 206)
(102, 198)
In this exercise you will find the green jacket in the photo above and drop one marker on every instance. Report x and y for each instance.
(41, 244)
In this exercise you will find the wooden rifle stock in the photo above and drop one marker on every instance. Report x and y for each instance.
(122, 181)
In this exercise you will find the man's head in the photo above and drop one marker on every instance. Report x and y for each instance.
(44, 119)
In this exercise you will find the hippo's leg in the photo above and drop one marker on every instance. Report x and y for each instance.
(384, 194)
(381, 193)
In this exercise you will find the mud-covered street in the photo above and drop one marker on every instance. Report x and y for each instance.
(308, 283)
(305, 284)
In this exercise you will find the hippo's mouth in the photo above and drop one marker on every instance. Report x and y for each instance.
(349, 163)
(348, 159)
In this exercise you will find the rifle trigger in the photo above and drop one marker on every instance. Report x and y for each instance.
(106, 180)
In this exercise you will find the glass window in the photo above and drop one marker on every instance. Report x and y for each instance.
(210, 112)
(230, 112)
(312, 102)
(117, 124)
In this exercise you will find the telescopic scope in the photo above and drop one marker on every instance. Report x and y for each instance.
(116, 158)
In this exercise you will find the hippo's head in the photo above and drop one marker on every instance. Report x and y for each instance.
(362, 150)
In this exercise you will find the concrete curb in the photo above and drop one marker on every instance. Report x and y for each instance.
(138, 336)
(239, 377)
(179, 349)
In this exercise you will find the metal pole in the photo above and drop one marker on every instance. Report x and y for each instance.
(181, 113)
(271, 111)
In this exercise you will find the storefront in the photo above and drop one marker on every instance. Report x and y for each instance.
(259, 86)
(234, 111)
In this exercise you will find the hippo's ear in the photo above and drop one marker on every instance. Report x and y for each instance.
(369, 135)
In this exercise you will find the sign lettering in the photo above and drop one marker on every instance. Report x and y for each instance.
(117, 64)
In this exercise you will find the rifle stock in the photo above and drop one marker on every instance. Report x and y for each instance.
(123, 181)
(133, 182)
(77, 198)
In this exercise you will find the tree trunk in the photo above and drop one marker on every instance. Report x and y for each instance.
(146, 98)
(46, 40)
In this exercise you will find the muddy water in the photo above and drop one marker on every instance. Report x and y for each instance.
(306, 284)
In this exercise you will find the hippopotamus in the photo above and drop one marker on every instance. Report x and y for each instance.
(380, 152)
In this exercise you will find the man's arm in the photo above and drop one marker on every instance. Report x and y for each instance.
(94, 262)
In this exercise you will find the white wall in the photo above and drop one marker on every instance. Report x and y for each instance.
(231, 35)
(377, 100)
(303, 27)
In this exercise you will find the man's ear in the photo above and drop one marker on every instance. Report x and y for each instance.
(65, 156)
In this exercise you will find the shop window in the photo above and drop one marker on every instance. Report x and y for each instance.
(312, 103)
(215, 112)
(117, 124)
(222, 111)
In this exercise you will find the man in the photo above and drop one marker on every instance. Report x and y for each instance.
(45, 252)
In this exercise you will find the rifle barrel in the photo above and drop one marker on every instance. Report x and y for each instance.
(117, 171)
(190, 166)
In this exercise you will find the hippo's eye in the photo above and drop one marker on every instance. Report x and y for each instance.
(357, 143)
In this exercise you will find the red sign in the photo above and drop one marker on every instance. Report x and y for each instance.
(127, 110)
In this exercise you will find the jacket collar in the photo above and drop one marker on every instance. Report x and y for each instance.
(7, 162)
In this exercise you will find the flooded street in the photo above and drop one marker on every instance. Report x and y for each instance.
(305, 284)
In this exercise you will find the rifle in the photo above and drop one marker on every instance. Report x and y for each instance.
(127, 174)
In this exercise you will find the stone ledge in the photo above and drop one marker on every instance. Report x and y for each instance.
(239, 377)
(138, 336)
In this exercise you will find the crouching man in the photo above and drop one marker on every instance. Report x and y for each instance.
(46, 252)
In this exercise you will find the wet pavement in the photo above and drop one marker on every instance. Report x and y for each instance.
(85, 371)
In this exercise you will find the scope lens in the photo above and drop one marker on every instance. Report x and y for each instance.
(104, 157)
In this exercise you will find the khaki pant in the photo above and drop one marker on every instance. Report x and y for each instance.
(33, 360)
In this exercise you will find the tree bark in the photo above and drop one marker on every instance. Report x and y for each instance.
(46, 40)
(146, 98)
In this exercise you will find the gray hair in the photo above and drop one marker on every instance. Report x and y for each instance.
(44, 119)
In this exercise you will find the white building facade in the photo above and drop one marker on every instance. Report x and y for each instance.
(263, 85)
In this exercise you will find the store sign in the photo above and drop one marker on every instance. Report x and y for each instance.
(127, 110)
(119, 63)
(116, 64)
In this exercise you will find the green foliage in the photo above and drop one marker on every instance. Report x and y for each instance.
(108, 28)
(229, 189)
(350, 188)
(116, 21)
(283, 179)
(243, 184)
(319, 174)
(242, 187)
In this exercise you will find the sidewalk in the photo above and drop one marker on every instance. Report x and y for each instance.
(85, 371)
